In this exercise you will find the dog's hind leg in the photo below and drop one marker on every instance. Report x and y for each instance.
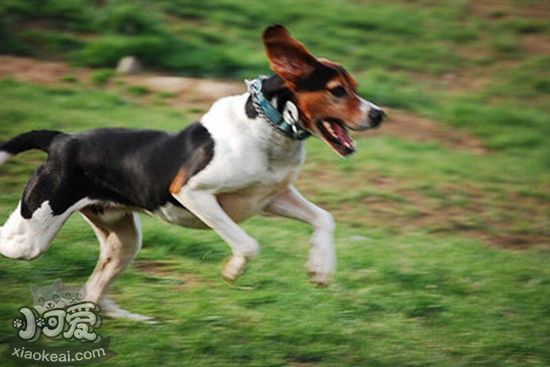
(27, 238)
(45, 207)
(119, 235)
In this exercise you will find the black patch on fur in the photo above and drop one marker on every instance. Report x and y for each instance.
(250, 110)
(37, 139)
(133, 168)
(317, 80)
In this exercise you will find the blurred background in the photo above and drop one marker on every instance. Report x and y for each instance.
(443, 213)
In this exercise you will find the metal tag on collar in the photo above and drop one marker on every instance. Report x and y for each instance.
(254, 86)
(291, 116)
(286, 123)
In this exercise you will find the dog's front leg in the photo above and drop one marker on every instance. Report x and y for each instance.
(322, 257)
(205, 206)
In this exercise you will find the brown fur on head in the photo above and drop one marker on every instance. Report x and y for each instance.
(326, 94)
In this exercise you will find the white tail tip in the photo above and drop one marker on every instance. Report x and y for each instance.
(4, 157)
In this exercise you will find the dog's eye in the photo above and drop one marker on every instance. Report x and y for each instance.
(338, 91)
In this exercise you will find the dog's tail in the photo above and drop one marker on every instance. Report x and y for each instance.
(36, 139)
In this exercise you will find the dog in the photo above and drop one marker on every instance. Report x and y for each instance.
(242, 158)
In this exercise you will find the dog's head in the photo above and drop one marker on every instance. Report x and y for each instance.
(325, 93)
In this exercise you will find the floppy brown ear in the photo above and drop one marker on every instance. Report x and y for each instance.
(287, 57)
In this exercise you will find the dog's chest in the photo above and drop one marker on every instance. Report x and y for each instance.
(251, 165)
(240, 204)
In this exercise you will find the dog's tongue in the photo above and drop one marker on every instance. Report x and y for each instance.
(342, 135)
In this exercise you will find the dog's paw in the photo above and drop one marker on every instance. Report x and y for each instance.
(110, 309)
(321, 266)
(321, 280)
(234, 268)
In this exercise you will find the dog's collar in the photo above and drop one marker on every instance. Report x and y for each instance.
(287, 123)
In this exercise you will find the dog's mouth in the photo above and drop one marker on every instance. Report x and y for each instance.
(335, 134)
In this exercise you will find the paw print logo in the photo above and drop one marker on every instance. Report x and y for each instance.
(40, 322)
(18, 324)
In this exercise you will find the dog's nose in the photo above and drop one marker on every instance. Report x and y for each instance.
(376, 116)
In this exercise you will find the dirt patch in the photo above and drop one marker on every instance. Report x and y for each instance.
(502, 9)
(167, 270)
(490, 9)
(536, 43)
(186, 91)
(476, 213)
(413, 127)
(194, 90)
(155, 267)
(535, 9)
(502, 219)
(464, 80)
(36, 71)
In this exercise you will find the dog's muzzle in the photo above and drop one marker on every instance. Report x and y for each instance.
(373, 117)
(376, 116)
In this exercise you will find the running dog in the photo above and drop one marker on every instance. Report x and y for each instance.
(242, 158)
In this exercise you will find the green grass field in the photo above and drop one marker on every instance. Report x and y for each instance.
(443, 249)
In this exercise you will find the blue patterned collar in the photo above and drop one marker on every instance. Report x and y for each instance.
(288, 124)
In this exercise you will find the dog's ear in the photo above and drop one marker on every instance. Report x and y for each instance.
(287, 57)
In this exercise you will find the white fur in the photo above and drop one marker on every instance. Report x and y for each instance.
(366, 106)
(110, 309)
(322, 258)
(252, 163)
(252, 166)
(22, 238)
(246, 151)
(4, 157)
(176, 215)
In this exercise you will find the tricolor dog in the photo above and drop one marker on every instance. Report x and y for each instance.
(242, 158)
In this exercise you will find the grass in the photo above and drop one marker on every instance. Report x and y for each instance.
(443, 253)
(402, 296)
(138, 90)
(102, 76)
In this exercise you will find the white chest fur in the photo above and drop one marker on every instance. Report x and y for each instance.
(246, 151)
(252, 163)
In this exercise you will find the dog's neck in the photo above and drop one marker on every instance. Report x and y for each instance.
(278, 94)
(275, 91)
(235, 118)
(271, 100)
